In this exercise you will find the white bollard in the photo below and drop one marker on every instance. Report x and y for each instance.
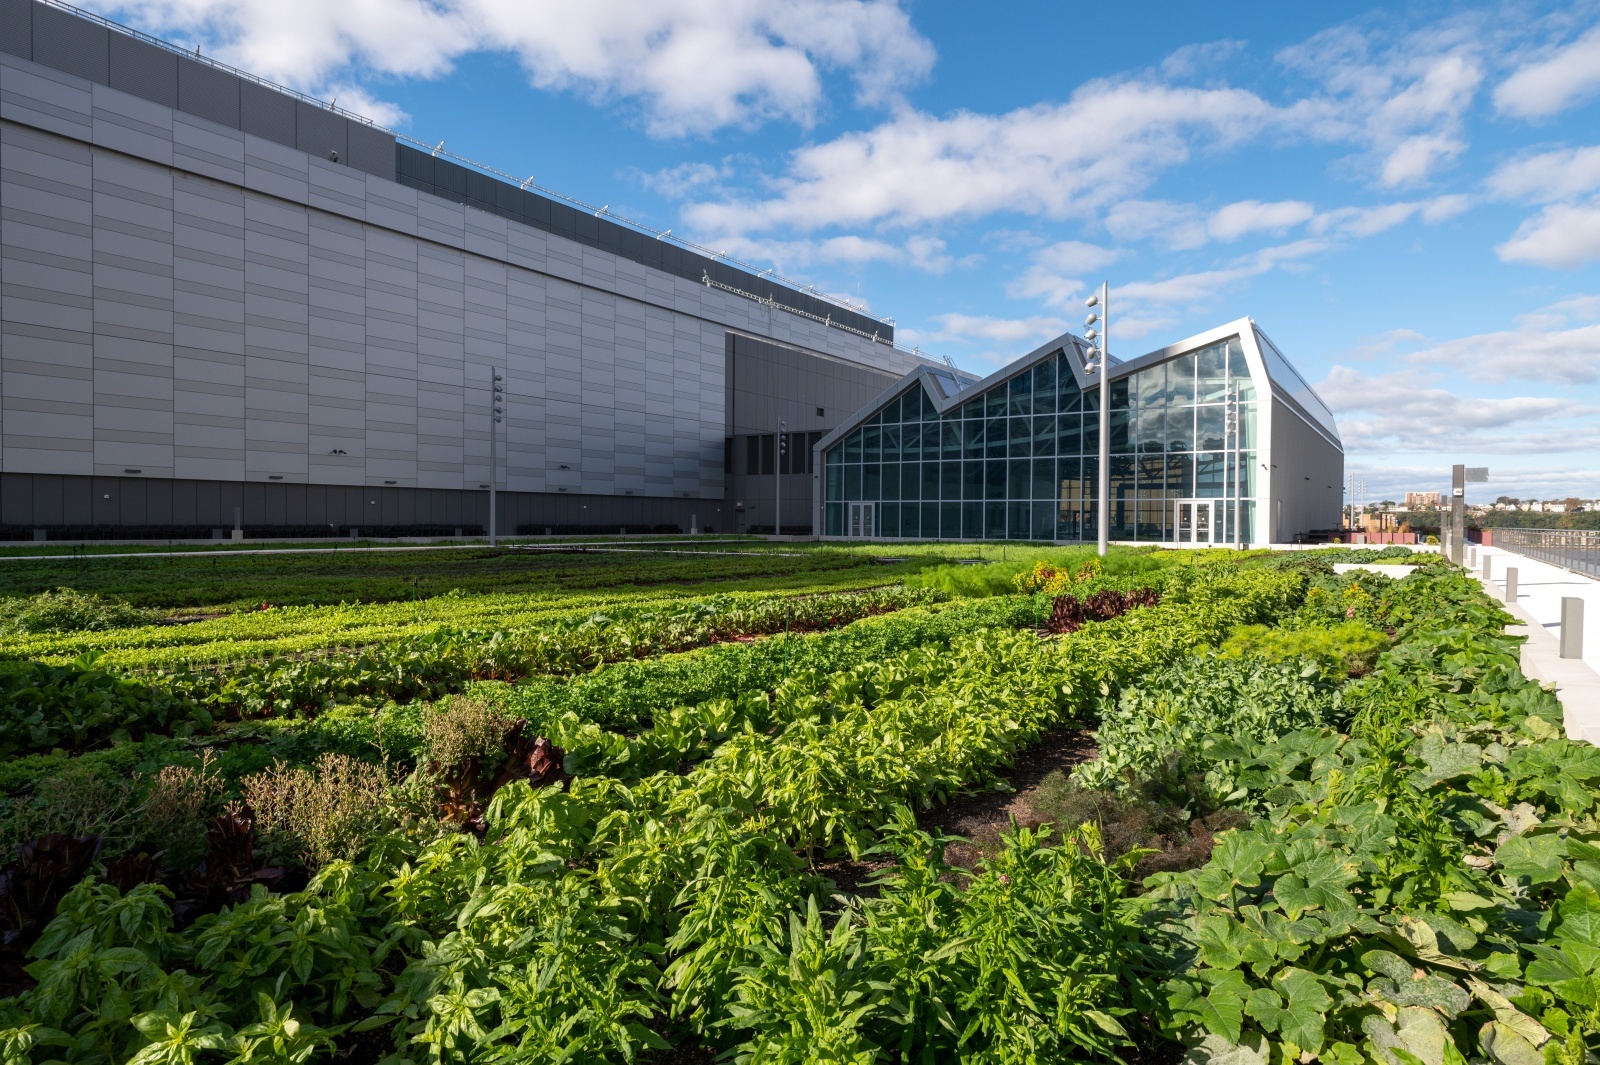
(1511, 584)
(1571, 627)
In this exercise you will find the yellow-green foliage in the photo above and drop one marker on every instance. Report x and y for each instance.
(1346, 649)
(1055, 579)
(1002, 577)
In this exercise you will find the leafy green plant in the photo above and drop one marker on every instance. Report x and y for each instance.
(64, 610)
(1160, 730)
(79, 705)
(1349, 648)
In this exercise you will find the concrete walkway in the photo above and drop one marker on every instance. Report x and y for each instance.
(1540, 588)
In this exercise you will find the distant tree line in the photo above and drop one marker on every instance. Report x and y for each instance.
(1427, 521)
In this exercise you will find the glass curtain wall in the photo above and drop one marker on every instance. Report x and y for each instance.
(1020, 460)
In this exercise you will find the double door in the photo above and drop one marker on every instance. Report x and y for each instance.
(862, 524)
(1195, 521)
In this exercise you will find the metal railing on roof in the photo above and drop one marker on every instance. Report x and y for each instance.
(522, 183)
(168, 46)
(1574, 549)
(825, 320)
(604, 211)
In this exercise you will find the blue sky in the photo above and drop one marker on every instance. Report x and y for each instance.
(1406, 198)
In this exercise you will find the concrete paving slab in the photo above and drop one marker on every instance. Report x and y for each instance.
(1540, 588)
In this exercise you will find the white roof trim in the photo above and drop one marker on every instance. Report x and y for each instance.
(1068, 343)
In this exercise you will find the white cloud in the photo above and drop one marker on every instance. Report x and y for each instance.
(1253, 216)
(1052, 277)
(1566, 233)
(1560, 236)
(1533, 352)
(1181, 226)
(1141, 307)
(921, 252)
(1380, 345)
(1015, 331)
(1581, 308)
(1202, 61)
(1011, 338)
(356, 99)
(1370, 221)
(1388, 479)
(1405, 102)
(1058, 160)
(1419, 405)
(1406, 411)
(1561, 174)
(693, 66)
(1554, 81)
(685, 179)
(1184, 226)
(1204, 286)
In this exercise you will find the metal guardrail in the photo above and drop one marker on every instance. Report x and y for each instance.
(828, 320)
(1574, 549)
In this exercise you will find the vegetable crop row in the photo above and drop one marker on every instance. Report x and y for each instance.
(595, 916)
(221, 579)
(295, 629)
(429, 664)
(626, 700)
(81, 704)
(1420, 888)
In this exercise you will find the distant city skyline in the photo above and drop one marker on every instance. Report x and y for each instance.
(1407, 199)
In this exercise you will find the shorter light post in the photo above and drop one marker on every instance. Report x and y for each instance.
(780, 449)
(497, 384)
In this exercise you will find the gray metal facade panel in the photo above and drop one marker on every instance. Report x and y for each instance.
(320, 133)
(70, 44)
(1307, 492)
(371, 150)
(267, 114)
(143, 70)
(209, 93)
(302, 337)
(16, 27)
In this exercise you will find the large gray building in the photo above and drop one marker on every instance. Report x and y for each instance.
(220, 298)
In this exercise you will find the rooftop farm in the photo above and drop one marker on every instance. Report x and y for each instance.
(770, 807)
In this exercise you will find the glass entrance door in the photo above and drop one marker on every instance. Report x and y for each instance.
(861, 523)
(1194, 525)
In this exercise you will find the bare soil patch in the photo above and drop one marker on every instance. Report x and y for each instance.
(1036, 791)
(980, 818)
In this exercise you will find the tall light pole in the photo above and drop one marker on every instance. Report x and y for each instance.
(497, 388)
(1101, 299)
(780, 449)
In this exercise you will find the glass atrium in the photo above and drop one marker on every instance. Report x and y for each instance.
(1019, 460)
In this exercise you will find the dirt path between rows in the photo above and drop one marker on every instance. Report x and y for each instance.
(981, 818)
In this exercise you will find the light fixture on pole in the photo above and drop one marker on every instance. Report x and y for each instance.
(497, 389)
(777, 477)
(1099, 361)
